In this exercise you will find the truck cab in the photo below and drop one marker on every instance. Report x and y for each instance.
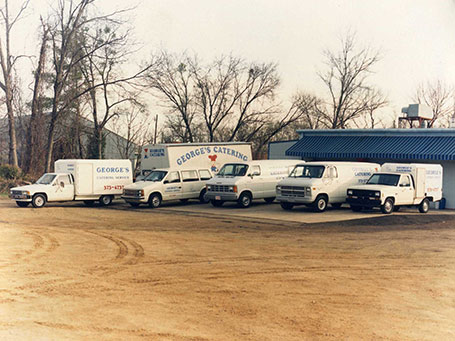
(50, 187)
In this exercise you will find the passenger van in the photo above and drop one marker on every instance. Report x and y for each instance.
(247, 181)
(317, 184)
(168, 184)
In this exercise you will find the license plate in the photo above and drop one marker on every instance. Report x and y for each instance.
(217, 197)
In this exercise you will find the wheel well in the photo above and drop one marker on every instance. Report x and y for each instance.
(429, 198)
(159, 194)
(393, 199)
(45, 195)
(247, 191)
(323, 195)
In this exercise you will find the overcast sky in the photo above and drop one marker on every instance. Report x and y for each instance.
(415, 37)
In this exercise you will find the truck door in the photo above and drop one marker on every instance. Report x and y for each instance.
(405, 191)
(62, 189)
(172, 186)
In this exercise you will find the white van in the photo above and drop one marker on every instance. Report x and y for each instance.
(397, 185)
(86, 180)
(246, 181)
(317, 184)
(168, 184)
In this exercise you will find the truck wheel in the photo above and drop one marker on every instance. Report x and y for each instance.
(356, 208)
(22, 203)
(105, 200)
(202, 198)
(38, 200)
(244, 200)
(424, 206)
(155, 201)
(269, 200)
(387, 208)
(89, 203)
(217, 203)
(320, 204)
(286, 206)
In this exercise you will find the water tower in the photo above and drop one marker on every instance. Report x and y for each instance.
(417, 116)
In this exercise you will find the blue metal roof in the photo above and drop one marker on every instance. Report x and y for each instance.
(393, 144)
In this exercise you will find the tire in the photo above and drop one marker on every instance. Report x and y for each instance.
(155, 200)
(424, 206)
(105, 200)
(184, 201)
(320, 204)
(337, 205)
(355, 208)
(244, 200)
(22, 203)
(134, 204)
(217, 203)
(89, 203)
(269, 200)
(39, 200)
(286, 206)
(202, 198)
(387, 208)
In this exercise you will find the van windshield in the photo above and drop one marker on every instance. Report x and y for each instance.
(46, 179)
(304, 171)
(384, 179)
(233, 169)
(155, 176)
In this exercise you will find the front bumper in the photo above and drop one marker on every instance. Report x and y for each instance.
(221, 196)
(21, 197)
(132, 199)
(295, 200)
(364, 201)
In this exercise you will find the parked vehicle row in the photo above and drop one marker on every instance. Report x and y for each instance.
(362, 185)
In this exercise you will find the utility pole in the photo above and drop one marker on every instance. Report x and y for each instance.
(156, 128)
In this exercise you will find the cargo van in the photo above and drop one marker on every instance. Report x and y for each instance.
(211, 155)
(86, 180)
(246, 181)
(317, 184)
(398, 185)
(168, 184)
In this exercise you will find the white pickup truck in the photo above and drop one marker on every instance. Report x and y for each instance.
(86, 180)
(399, 185)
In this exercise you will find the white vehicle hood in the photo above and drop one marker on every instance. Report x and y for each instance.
(143, 184)
(32, 188)
(373, 187)
(228, 181)
(301, 182)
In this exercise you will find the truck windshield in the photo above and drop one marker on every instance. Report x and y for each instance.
(384, 179)
(155, 176)
(233, 169)
(301, 171)
(46, 179)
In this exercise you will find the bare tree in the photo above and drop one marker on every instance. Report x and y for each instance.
(7, 62)
(350, 96)
(439, 97)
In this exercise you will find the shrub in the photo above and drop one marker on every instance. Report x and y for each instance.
(9, 172)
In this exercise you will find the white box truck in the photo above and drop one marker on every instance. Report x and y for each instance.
(86, 180)
(245, 181)
(398, 185)
(319, 183)
(211, 155)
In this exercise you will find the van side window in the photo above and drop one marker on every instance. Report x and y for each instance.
(205, 174)
(173, 177)
(189, 176)
(65, 179)
(405, 181)
(255, 170)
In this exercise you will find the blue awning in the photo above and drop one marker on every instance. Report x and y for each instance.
(332, 146)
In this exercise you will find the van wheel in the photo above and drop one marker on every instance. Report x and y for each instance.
(89, 203)
(424, 206)
(286, 206)
(105, 200)
(217, 203)
(269, 200)
(337, 205)
(320, 204)
(356, 208)
(387, 208)
(38, 200)
(155, 201)
(22, 203)
(202, 198)
(244, 200)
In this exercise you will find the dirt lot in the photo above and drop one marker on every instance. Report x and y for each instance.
(77, 273)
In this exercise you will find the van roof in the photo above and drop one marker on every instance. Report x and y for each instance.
(341, 163)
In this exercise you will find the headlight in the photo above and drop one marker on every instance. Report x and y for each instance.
(350, 192)
(26, 192)
(377, 194)
(209, 188)
(308, 191)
